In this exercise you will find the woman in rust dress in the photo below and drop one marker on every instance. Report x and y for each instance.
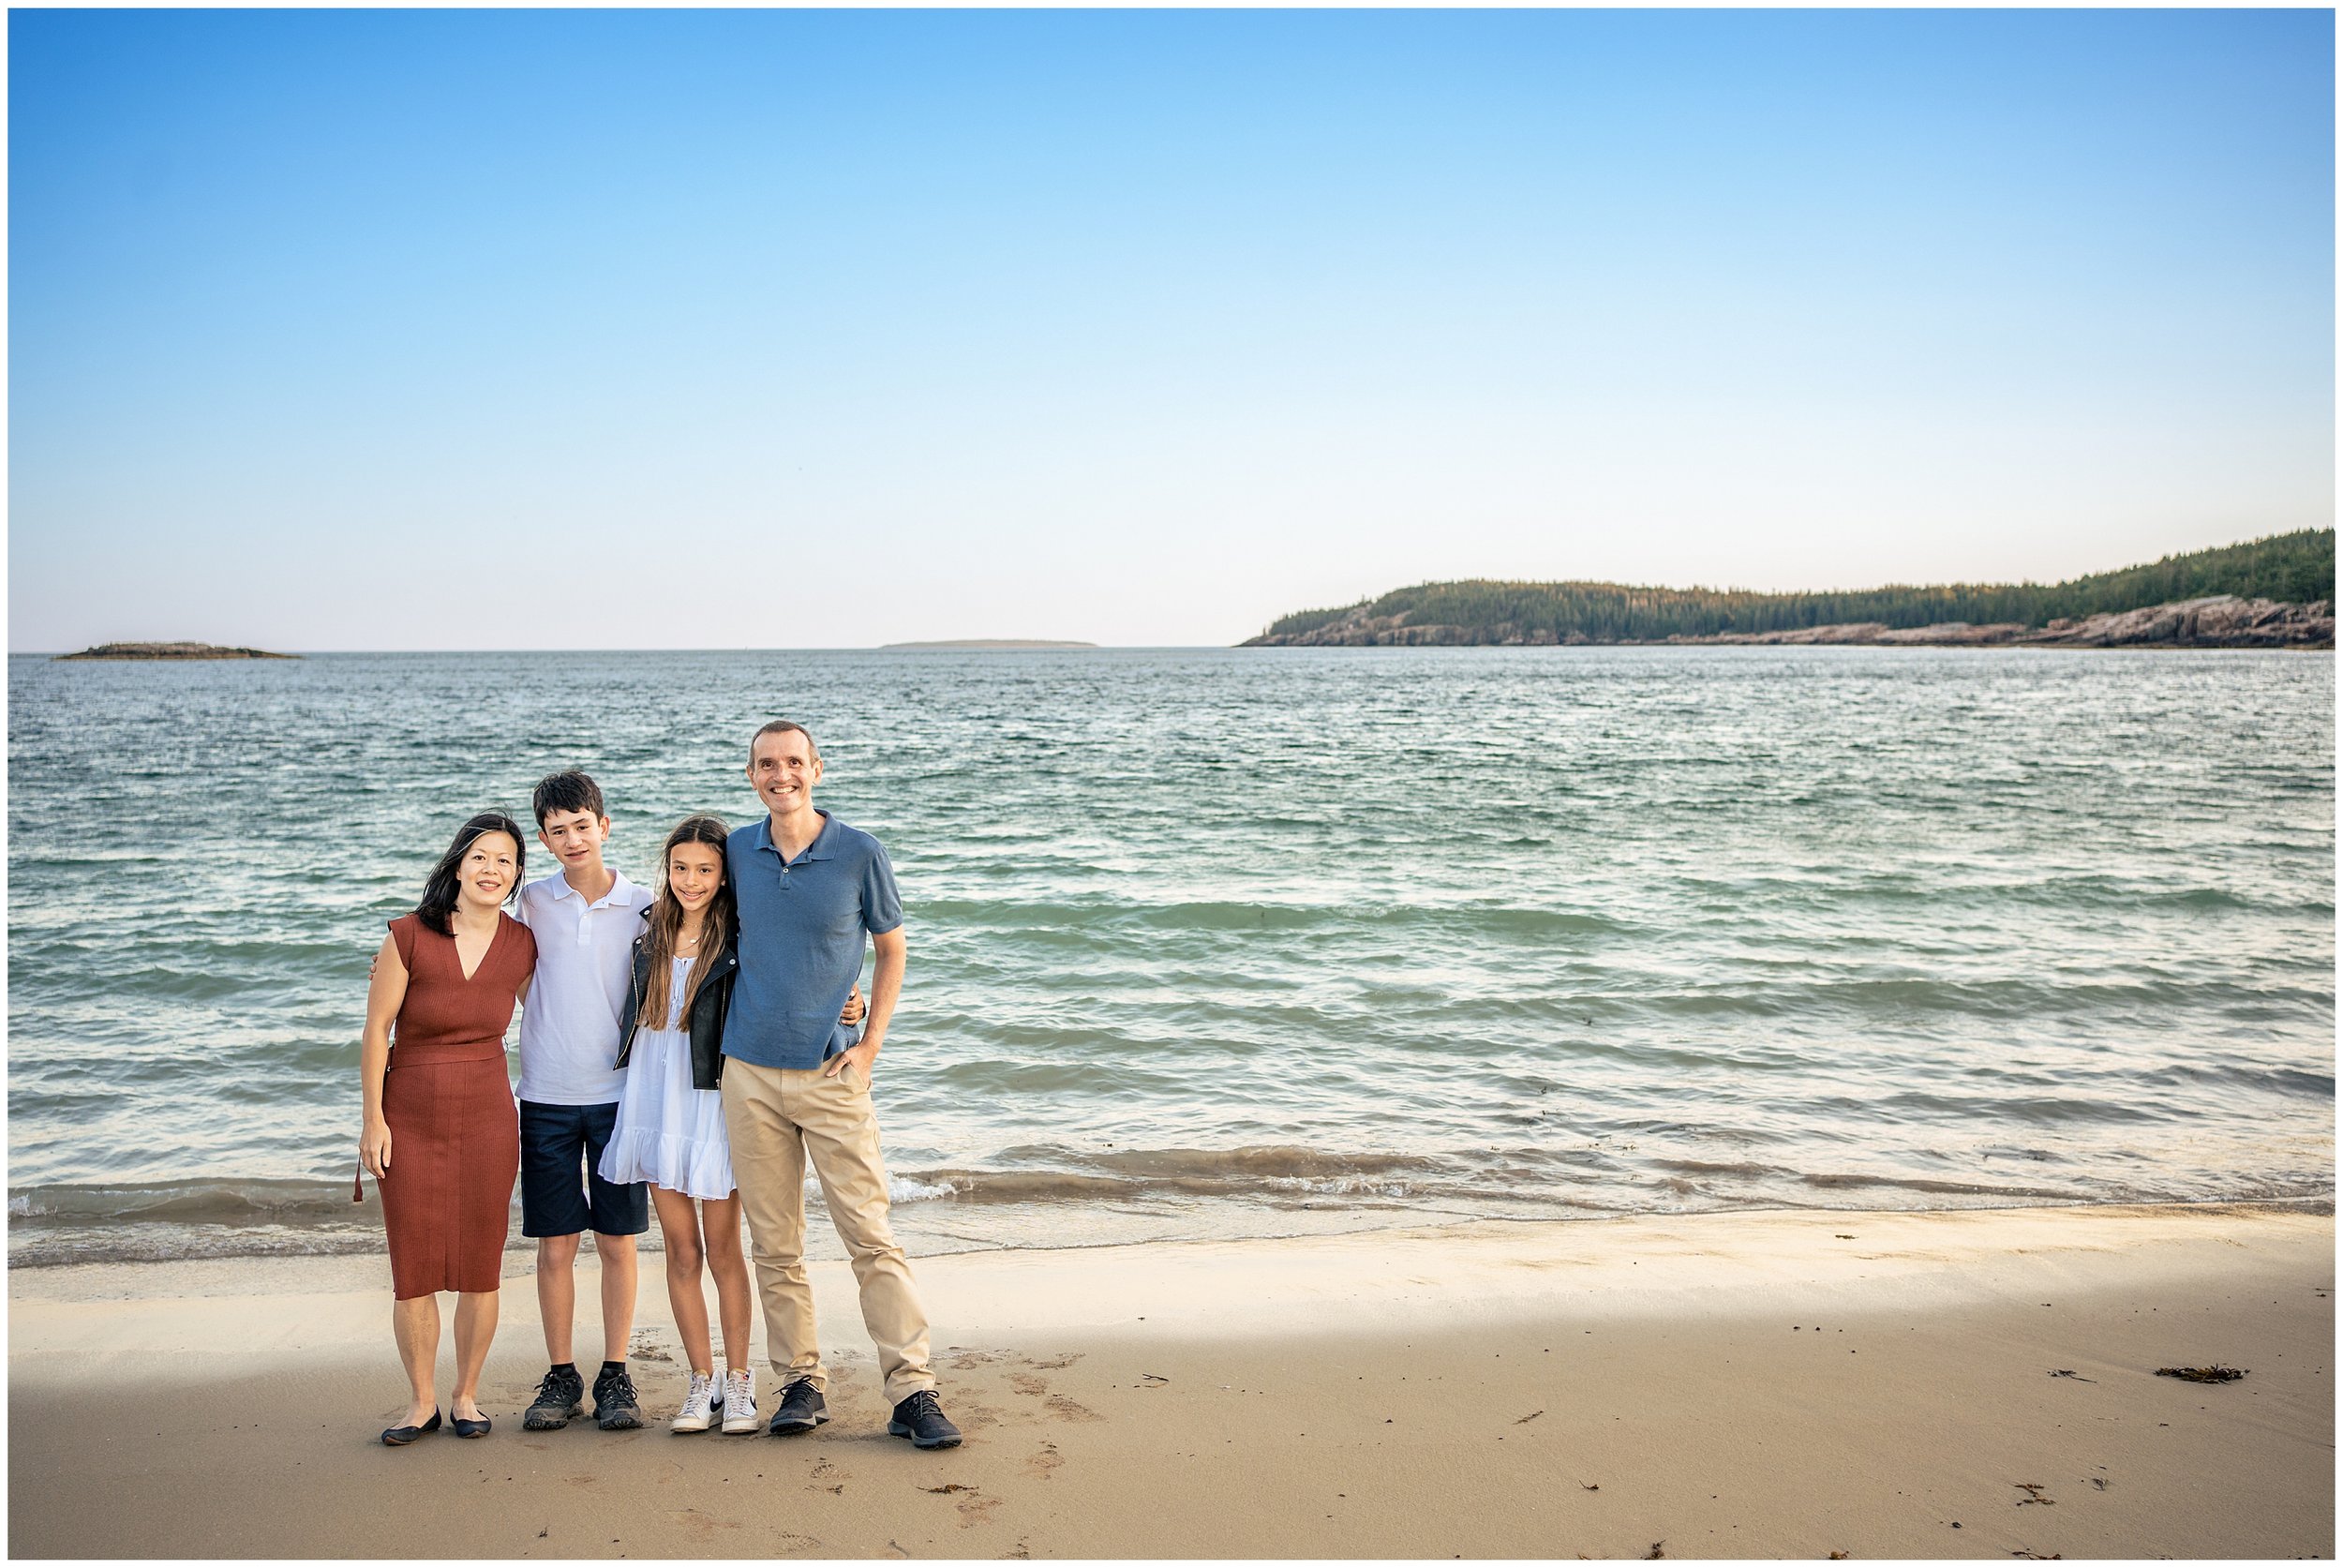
(442, 1135)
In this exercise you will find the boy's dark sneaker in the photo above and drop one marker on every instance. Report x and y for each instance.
(921, 1420)
(802, 1408)
(615, 1406)
(558, 1394)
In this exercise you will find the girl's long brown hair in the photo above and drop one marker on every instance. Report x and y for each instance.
(666, 920)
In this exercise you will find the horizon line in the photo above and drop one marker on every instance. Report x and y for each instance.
(838, 648)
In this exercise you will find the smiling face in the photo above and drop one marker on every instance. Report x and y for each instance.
(784, 768)
(694, 871)
(575, 837)
(490, 866)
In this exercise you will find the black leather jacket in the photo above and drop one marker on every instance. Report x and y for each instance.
(707, 1009)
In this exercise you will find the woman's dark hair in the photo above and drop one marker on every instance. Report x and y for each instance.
(666, 920)
(440, 890)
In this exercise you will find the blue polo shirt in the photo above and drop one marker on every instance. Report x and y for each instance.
(803, 930)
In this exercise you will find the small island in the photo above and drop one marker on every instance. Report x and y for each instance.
(170, 651)
(979, 645)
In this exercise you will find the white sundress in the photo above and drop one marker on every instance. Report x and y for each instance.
(669, 1133)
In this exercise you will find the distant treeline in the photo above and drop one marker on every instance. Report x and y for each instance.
(2294, 568)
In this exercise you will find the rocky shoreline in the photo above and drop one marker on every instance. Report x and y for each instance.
(170, 650)
(2223, 621)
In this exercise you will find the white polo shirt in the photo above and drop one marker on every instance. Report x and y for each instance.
(570, 1023)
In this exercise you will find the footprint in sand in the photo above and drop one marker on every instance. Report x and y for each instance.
(1055, 1363)
(701, 1528)
(974, 1507)
(1027, 1385)
(1041, 1464)
(1066, 1410)
(967, 1359)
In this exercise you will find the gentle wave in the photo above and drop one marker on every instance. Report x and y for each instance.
(66, 1224)
(1480, 918)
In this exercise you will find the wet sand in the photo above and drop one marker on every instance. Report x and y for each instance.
(1793, 1385)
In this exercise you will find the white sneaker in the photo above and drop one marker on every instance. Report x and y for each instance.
(739, 1400)
(693, 1416)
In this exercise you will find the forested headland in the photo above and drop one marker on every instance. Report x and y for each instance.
(2282, 588)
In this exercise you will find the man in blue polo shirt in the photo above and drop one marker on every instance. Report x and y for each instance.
(810, 891)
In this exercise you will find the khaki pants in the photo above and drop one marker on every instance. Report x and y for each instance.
(775, 1117)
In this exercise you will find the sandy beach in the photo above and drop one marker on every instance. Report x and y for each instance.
(1972, 1384)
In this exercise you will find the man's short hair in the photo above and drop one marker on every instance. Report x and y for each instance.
(567, 791)
(785, 726)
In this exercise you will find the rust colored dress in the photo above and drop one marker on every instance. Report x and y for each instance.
(455, 1134)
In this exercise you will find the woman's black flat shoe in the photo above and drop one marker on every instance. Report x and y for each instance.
(469, 1428)
(399, 1437)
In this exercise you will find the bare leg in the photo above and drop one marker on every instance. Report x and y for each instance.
(556, 1293)
(679, 1230)
(720, 1222)
(475, 1326)
(616, 1254)
(415, 1321)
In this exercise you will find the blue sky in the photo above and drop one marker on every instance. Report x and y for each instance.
(802, 329)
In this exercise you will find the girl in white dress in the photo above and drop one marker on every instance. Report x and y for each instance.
(670, 1130)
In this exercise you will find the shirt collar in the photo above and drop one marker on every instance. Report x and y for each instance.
(825, 844)
(617, 886)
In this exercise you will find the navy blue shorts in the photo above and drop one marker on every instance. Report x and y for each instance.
(557, 1140)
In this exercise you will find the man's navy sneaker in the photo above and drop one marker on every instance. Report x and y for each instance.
(802, 1408)
(921, 1420)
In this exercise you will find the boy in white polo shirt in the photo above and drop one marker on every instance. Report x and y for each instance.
(585, 920)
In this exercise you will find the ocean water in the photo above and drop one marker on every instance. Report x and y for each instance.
(1264, 941)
